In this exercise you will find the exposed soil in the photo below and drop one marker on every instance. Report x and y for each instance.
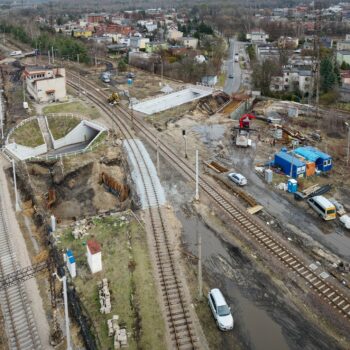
(76, 182)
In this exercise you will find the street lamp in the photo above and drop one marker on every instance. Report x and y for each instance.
(347, 154)
(63, 279)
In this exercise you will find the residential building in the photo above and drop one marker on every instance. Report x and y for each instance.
(143, 60)
(46, 84)
(345, 77)
(82, 33)
(137, 42)
(292, 79)
(343, 45)
(343, 56)
(257, 36)
(95, 18)
(266, 51)
(189, 42)
(154, 46)
(287, 42)
(174, 34)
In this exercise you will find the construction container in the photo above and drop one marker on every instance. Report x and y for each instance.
(322, 160)
(292, 185)
(286, 162)
(268, 175)
(310, 168)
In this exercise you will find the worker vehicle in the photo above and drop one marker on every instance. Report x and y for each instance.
(221, 311)
(113, 99)
(323, 207)
(237, 178)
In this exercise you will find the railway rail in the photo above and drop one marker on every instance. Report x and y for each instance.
(19, 322)
(257, 231)
(178, 317)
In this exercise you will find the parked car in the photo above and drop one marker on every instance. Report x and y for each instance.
(221, 311)
(237, 178)
(231, 76)
(130, 75)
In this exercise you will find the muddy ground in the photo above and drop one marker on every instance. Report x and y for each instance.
(265, 318)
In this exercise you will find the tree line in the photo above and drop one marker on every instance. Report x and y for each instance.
(64, 47)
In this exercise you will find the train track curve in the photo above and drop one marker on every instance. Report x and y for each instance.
(258, 232)
(178, 319)
(20, 327)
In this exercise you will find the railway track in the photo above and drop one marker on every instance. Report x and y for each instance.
(20, 326)
(178, 317)
(258, 232)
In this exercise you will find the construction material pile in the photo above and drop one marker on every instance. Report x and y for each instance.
(81, 228)
(105, 296)
(120, 335)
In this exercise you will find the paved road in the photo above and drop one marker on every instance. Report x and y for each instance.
(233, 69)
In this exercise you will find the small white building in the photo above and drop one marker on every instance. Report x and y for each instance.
(71, 263)
(46, 84)
(94, 256)
(257, 36)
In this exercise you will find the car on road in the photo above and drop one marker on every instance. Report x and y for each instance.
(236, 57)
(230, 76)
(237, 178)
(221, 311)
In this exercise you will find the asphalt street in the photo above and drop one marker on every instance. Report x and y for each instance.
(233, 69)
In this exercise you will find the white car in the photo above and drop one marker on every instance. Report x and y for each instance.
(237, 178)
(220, 310)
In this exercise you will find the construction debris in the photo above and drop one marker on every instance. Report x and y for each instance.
(81, 228)
(105, 297)
(120, 335)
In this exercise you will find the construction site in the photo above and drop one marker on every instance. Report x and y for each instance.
(129, 216)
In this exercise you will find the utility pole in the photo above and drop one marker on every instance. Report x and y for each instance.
(17, 207)
(197, 177)
(48, 55)
(347, 153)
(53, 55)
(66, 315)
(200, 280)
(157, 142)
(184, 136)
(78, 73)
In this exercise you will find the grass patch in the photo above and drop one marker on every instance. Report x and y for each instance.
(61, 126)
(127, 266)
(29, 134)
(222, 79)
(73, 107)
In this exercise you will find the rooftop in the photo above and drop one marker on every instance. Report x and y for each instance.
(94, 246)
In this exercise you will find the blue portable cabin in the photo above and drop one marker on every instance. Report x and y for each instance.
(322, 160)
(285, 160)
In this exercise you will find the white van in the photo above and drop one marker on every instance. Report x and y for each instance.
(220, 310)
(16, 53)
(323, 207)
